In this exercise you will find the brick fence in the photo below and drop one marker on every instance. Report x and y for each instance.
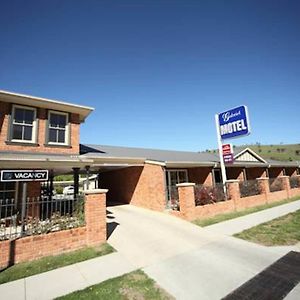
(37, 246)
(189, 210)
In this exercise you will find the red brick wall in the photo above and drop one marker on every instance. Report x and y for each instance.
(5, 111)
(201, 175)
(275, 172)
(291, 171)
(234, 173)
(253, 173)
(141, 186)
(189, 211)
(34, 247)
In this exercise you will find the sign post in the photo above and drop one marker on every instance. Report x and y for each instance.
(232, 123)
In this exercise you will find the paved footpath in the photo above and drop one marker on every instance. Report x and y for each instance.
(188, 261)
(236, 225)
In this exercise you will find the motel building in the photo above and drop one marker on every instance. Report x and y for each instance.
(43, 134)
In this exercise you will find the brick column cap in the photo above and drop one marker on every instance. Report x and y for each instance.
(283, 176)
(95, 191)
(185, 184)
(232, 180)
(262, 178)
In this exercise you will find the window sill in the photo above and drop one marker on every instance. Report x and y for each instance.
(57, 146)
(29, 144)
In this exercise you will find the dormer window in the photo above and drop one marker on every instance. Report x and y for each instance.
(23, 125)
(58, 128)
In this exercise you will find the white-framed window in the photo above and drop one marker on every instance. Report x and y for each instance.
(176, 176)
(23, 124)
(58, 128)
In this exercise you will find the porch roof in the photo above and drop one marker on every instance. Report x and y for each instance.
(59, 163)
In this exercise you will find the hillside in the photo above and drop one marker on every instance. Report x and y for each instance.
(282, 152)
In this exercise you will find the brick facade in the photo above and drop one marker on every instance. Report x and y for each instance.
(37, 246)
(253, 173)
(201, 175)
(40, 146)
(141, 186)
(235, 173)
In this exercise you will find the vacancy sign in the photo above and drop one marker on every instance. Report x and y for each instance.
(227, 152)
(24, 175)
(234, 123)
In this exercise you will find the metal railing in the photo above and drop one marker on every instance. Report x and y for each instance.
(173, 197)
(40, 215)
(209, 194)
(294, 182)
(249, 188)
(275, 185)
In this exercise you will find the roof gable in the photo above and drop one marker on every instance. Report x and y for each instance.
(248, 155)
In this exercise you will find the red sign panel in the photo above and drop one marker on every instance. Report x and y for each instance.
(227, 149)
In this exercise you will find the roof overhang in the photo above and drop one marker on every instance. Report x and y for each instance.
(82, 111)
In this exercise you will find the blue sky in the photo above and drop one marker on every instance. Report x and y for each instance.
(156, 72)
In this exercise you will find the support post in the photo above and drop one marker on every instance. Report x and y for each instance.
(76, 181)
(87, 168)
(23, 211)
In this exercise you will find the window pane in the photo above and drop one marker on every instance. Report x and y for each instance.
(17, 132)
(19, 115)
(28, 116)
(53, 120)
(62, 120)
(27, 133)
(61, 136)
(52, 135)
(182, 177)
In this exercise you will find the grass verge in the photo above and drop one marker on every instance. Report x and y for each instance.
(49, 263)
(134, 285)
(236, 214)
(278, 232)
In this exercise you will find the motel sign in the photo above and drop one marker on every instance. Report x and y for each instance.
(234, 123)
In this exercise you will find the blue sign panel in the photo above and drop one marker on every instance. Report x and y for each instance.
(234, 123)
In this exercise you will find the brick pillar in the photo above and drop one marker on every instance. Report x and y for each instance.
(285, 180)
(233, 191)
(263, 184)
(186, 192)
(95, 216)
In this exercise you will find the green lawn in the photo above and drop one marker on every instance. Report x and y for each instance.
(232, 215)
(278, 232)
(48, 263)
(135, 285)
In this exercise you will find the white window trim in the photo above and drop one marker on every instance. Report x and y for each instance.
(34, 125)
(67, 130)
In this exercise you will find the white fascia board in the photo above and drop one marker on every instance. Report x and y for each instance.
(155, 162)
(190, 164)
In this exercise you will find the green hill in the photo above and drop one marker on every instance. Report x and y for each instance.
(278, 152)
(288, 152)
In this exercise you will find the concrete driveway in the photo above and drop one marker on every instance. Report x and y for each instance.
(188, 261)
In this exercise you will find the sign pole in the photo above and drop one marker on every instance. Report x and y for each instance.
(223, 170)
